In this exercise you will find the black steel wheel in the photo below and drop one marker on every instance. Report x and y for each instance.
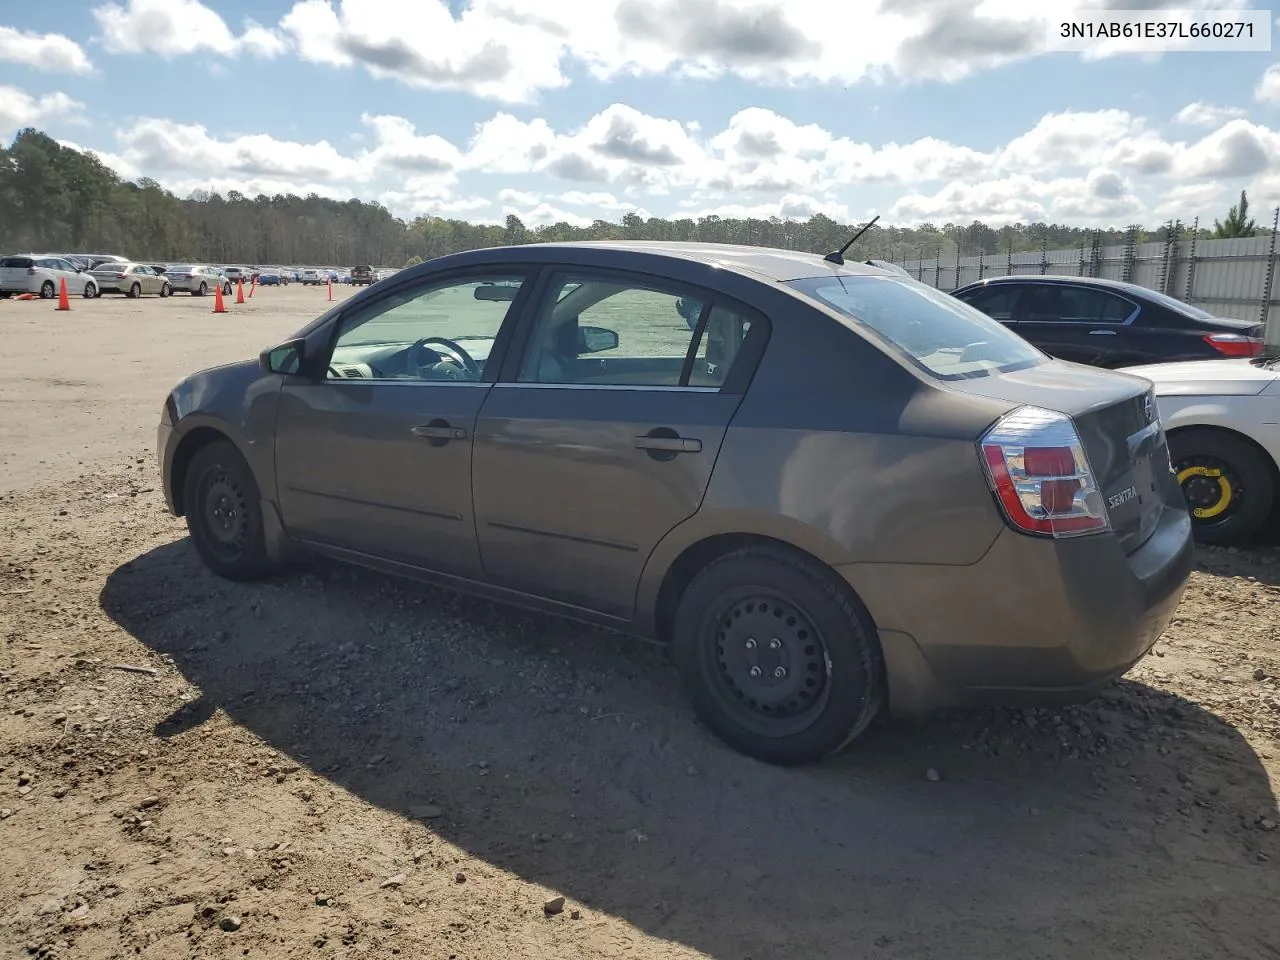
(778, 657)
(1227, 483)
(224, 513)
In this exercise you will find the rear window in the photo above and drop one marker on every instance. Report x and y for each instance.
(23, 262)
(1177, 306)
(945, 337)
(182, 268)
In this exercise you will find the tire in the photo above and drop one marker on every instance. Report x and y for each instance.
(201, 291)
(766, 609)
(1231, 500)
(46, 290)
(224, 513)
(226, 291)
(90, 291)
(165, 289)
(135, 291)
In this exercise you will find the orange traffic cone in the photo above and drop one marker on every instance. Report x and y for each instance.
(331, 288)
(218, 305)
(240, 291)
(64, 302)
(253, 285)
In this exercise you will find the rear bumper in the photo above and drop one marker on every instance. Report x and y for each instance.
(1034, 620)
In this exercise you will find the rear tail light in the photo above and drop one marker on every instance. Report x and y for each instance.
(1234, 344)
(120, 276)
(1041, 476)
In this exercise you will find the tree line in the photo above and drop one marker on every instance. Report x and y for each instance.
(57, 199)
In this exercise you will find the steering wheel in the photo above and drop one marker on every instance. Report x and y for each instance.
(417, 354)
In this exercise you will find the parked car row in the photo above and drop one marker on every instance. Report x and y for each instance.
(1218, 396)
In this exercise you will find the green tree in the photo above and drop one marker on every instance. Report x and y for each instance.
(1238, 222)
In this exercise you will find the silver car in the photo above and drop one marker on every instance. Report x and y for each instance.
(40, 274)
(131, 279)
(197, 279)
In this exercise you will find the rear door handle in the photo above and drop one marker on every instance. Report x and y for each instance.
(435, 431)
(669, 444)
(1102, 333)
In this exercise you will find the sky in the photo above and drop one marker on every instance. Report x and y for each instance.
(941, 111)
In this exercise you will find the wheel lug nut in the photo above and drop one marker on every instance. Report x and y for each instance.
(775, 644)
(780, 672)
(751, 643)
(755, 671)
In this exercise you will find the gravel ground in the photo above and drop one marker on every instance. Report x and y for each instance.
(337, 764)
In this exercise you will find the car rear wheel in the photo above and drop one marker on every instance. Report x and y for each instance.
(778, 658)
(135, 291)
(201, 291)
(165, 289)
(1227, 483)
(46, 290)
(224, 513)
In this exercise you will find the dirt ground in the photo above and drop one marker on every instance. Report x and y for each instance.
(336, 764)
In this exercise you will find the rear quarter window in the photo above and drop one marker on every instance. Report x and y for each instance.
(937, 332)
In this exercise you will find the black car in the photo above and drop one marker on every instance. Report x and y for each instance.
(1107, 323)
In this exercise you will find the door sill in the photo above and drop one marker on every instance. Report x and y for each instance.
(478, 588)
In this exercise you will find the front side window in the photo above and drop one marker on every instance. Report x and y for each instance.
(996, 302)
(605, 331)
(943, 335)
(441, 331)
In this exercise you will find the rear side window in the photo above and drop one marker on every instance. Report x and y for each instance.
(945, 336)
(1051, 303)
(15, 262)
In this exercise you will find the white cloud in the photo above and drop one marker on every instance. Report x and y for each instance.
(1077, 167)
(1205, 115)
(18, 109)
(173, 28)
(1268, 88)
(511, 51)
(44, 51)
(164, 147)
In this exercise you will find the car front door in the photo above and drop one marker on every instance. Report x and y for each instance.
(603, 431)
(1078, 323)
(373, 452)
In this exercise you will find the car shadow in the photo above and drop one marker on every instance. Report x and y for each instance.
(564, 754)
(1260, 562)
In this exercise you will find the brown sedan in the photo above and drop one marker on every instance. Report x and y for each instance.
(831, 489)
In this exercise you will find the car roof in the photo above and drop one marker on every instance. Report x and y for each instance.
(765, 263)
(1102, 283)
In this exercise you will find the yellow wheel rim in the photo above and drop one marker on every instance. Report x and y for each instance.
(1225, 493)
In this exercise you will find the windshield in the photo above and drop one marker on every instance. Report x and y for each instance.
(939, 333)
(1176, 305)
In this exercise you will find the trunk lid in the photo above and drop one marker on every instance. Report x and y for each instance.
(1117, 419)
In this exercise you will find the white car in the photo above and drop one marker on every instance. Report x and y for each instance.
(1222, 418)
(40, 274)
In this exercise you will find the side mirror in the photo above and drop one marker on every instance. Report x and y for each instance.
(596, 339)
(286, 358)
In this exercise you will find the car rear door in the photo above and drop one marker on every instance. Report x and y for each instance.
(1079, 323)
(603, 431)
(373, 452)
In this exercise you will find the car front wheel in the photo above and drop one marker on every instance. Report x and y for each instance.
(777, 656)
(90, 291)
(1226, 481)
(224, 513)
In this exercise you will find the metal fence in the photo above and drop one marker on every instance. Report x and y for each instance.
(1229, 278)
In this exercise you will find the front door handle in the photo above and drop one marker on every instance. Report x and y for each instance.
(669, 444)
(1102, 333)
(438, 430)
